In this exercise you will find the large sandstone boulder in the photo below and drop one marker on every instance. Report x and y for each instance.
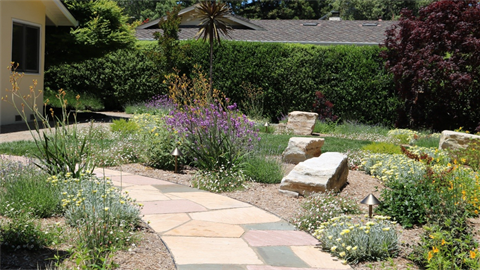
(327, 172)
(455, 140)
(301, 123)
(300, 149)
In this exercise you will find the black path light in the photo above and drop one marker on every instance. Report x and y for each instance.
(176, 153)
(370, 200)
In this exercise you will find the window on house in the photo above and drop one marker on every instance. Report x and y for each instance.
(26, 47)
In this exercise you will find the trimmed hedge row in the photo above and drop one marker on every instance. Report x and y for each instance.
(119, 78)
(351, 77)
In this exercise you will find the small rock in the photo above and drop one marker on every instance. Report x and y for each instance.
(301, 123)
(327, 172)
(300, 149)
(455, 140)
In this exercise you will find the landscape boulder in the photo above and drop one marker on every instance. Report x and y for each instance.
(300, 149)
(319, 174)
(301, 123)
(455, 140)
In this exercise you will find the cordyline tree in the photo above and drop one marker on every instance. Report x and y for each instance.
(212, 16)
(435, 59)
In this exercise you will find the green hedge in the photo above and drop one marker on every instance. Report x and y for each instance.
(351, 77)
(119, 78)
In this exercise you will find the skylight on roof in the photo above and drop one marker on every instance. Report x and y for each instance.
(310, 24)
(369, 24)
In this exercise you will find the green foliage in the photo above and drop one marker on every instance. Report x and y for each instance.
(159, 142)
(325, 127)
(19, 148)
(428, 142)
(352, 77)
(118, 78)
(263, 169)
(124, 126)
(87, 102)
(146, 10)
(21, 231)
(447, 246)
(224, 179)
(469, 156)
(382, 148)
(357, 241)
(102, 28)
(23, 189)
(374, 9)
(333, 144)
(321, 207)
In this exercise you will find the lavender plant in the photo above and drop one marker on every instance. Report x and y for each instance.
(215, 136)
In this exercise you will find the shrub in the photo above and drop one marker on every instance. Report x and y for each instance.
(215, 136)
(321, 207)
(23, 188)
(123, 126)
(22, 232)
(447, 246)
(405, 136)
(469, 156)
(224, 179)
(262, 169)
(382, 148)
(323, 107)
(325, 126)
(357, 241)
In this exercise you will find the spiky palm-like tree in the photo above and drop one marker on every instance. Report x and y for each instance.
(213, 22)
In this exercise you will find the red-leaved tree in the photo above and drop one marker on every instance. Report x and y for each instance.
(435, 59)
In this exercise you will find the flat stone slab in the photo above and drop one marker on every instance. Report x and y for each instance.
(172, 206)
(145, 193)
(101, 172)
(211, 200)
(203, 250)
(316, 258)
(209, 267)
(165, 222)
(247, 215)
(279, 238)
(140, 180)
(176, 188)
(207, 229)
(276, 226)
(300, 149)
(327, 172)
(280, 256)
(269, 267)
(455, 140)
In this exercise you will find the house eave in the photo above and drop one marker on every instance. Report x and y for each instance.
(58, 14)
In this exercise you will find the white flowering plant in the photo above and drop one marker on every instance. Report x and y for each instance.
(224, 179)
(320, 207)
(355, 240)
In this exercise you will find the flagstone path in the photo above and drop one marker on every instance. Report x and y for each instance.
(207, 231)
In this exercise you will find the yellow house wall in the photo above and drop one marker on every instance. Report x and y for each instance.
(29, 12)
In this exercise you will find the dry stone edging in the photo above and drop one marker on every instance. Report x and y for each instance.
(320, 174)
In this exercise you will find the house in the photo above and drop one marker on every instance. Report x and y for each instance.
(22, 24)
(319, 32)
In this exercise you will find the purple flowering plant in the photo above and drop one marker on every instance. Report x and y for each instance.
(216, 136)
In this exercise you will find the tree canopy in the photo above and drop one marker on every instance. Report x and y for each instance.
(435, 59)
(102, 28)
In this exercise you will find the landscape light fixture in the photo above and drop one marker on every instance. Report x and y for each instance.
(176, 153)
(266, 127)
(370, 200)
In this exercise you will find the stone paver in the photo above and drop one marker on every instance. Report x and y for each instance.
(314, 258)
(207, 229)
(281, 256)
(139, 180)
(205, 250)
(145, 193)
(277, 226)
(245, 215)
(166, 222)
(279, 238)
(210, 200)
(173, 206)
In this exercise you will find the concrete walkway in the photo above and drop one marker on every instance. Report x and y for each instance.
(207, 231)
